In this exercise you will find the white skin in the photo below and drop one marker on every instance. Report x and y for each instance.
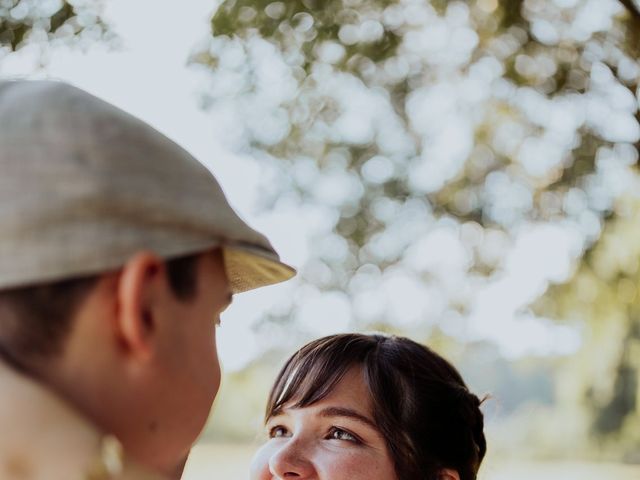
(141, 363)
(333, 439)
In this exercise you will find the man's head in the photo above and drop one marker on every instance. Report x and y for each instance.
(133, 349)
(119, 253)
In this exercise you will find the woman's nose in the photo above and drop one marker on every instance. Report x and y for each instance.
(291, 461)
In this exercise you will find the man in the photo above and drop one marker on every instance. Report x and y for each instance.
(118, 253)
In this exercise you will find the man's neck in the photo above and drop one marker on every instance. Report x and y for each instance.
(71, 447)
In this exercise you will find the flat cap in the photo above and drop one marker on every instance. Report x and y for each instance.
(84, 186)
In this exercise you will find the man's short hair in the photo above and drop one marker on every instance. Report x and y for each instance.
(36, 320)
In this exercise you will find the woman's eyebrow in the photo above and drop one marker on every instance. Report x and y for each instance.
(348, 413)
(276, 414)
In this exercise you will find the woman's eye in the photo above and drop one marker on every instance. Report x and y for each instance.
(278, 432)
(339, 434)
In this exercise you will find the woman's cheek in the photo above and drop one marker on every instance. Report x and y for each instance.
(340, 464)
(348, 464)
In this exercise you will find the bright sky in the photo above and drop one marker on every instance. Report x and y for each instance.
(148, 77)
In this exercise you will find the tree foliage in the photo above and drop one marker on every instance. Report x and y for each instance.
(604, 297)
(545, 89)
(399, 119)
(33, 21)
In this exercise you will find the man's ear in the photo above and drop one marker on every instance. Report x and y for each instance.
(448, 474)
(138, 289)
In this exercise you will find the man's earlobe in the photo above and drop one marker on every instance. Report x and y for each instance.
(448, 474)
(137, 290)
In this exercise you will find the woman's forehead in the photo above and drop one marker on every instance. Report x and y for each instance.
(353, 388)
(350, 388)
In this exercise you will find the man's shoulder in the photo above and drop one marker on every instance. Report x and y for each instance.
(44, 438)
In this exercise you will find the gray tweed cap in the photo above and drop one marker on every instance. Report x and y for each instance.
(84, 186)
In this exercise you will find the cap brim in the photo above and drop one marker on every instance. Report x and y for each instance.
(248, 268)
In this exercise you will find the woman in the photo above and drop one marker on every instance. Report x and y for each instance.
(356, 407)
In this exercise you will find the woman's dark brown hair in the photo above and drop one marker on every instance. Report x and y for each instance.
(421, 405)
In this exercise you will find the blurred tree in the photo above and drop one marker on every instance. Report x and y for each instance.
(404, 126)
(605, 291)
(35, 21)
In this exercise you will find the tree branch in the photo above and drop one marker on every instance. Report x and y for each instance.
(633, 7)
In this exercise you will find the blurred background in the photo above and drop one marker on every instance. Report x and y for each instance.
(461, 172)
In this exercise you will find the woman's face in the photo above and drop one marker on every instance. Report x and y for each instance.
(333, 439)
